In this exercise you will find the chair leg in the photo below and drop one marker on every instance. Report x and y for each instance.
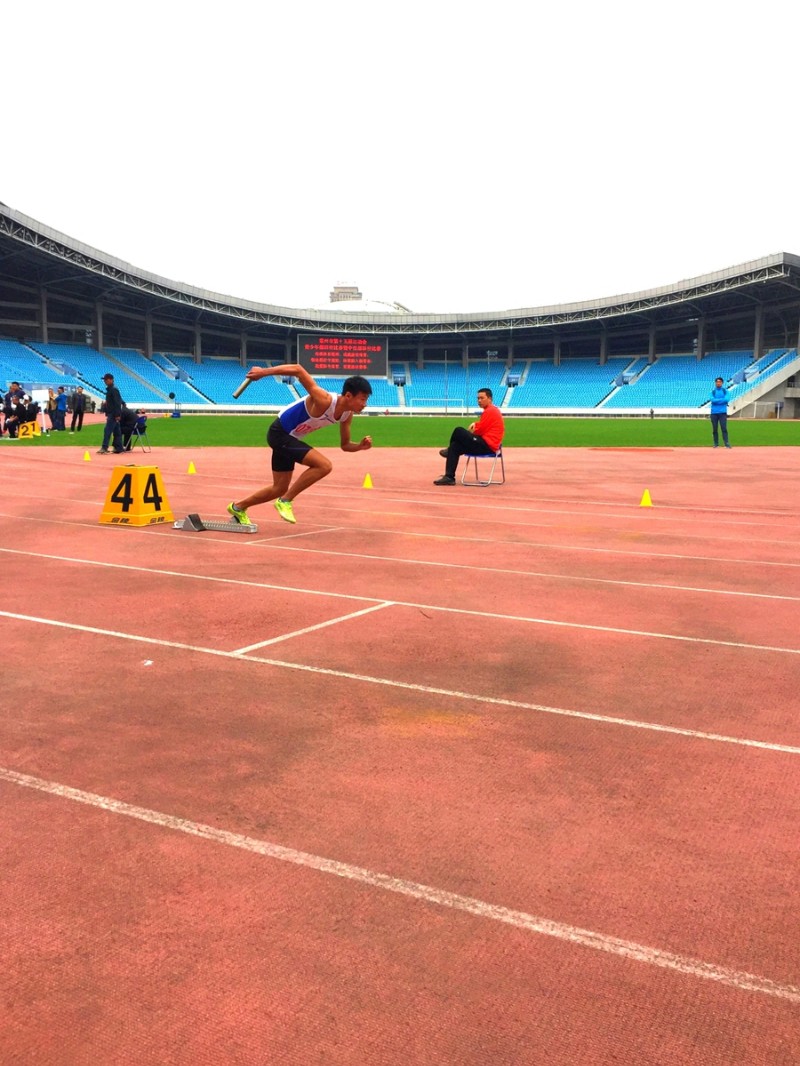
(490, 481)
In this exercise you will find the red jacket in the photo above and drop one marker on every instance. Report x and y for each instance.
(490, 426)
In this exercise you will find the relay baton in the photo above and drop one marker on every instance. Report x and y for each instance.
(242, 387)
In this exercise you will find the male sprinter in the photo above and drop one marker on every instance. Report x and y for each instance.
(284, 436)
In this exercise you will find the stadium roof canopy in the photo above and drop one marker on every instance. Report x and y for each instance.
(38, 263)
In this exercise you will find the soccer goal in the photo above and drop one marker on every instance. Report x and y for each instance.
(765, 409)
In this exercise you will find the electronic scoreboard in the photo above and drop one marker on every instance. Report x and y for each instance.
(340, 356)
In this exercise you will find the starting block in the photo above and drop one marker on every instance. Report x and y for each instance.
(196, 524)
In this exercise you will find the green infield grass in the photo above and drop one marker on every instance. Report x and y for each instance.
(397, 431)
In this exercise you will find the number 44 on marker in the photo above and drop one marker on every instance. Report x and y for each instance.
(136, 497)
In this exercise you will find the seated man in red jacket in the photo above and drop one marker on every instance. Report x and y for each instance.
(483, 437)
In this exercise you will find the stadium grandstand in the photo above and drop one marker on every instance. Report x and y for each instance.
(69, 313)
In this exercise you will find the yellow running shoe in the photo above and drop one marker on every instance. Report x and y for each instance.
(239, 516)
(284, 509)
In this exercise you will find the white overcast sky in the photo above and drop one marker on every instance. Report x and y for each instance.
(452, 156)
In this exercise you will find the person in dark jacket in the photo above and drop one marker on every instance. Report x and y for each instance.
(133, 423)
(30, 410)
(10, 401)
(127, 425)
(719, 412)
(112, 407)
(15, 416)
(78, 410)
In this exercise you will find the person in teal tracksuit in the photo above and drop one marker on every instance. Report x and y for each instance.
(719, 413)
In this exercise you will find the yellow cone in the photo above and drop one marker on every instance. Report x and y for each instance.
(646, 501)
(86, 457)
(367, 482)
(191, 469)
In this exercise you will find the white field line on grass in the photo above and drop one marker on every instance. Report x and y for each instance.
(276, 542)
(739, 980)
(430, 690)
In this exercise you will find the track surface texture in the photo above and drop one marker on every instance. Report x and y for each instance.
(470, 776)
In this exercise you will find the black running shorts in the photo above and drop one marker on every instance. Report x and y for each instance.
(286, 449)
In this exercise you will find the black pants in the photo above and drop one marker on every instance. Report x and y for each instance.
(112, 430)
(462, 442)
(77, 421)
(720, 421)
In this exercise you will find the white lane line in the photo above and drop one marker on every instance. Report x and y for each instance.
(530, 525)
(507, 570)
(195, 577)
(430, 690)
(498, 544)
(293, 536)
(312, 629)
(317, 592)
(160, 531)
(586, 938)
(629, 511)
(547, 573)
(526, 619)
(528, 506)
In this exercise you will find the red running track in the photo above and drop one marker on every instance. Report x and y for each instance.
(501, 775)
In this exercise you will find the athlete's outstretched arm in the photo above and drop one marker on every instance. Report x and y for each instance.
(321, 397)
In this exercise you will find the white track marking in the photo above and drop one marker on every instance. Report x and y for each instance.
(241, 542)
(570, 934)
(627, 510)
(462, 539)
(428, 606)
(646, 554)
(498, 569)
(305, 533)
(532, 503)
(430, 690)
(410, 562)
(196, 577)
(529, 504)
(630, 510)
(312, 629)
(706, 537)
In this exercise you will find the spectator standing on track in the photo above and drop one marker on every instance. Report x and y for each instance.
(719, 412)
(483, 437)
(112, 407)
(61, 409)
(78, 410)
(52, 404)
(284, 436)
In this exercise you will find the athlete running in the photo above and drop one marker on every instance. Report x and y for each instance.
(285, 438)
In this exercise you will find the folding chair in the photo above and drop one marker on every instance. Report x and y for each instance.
(492, 457)
(140, 438)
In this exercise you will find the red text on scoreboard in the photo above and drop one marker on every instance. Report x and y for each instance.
(337, 356)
